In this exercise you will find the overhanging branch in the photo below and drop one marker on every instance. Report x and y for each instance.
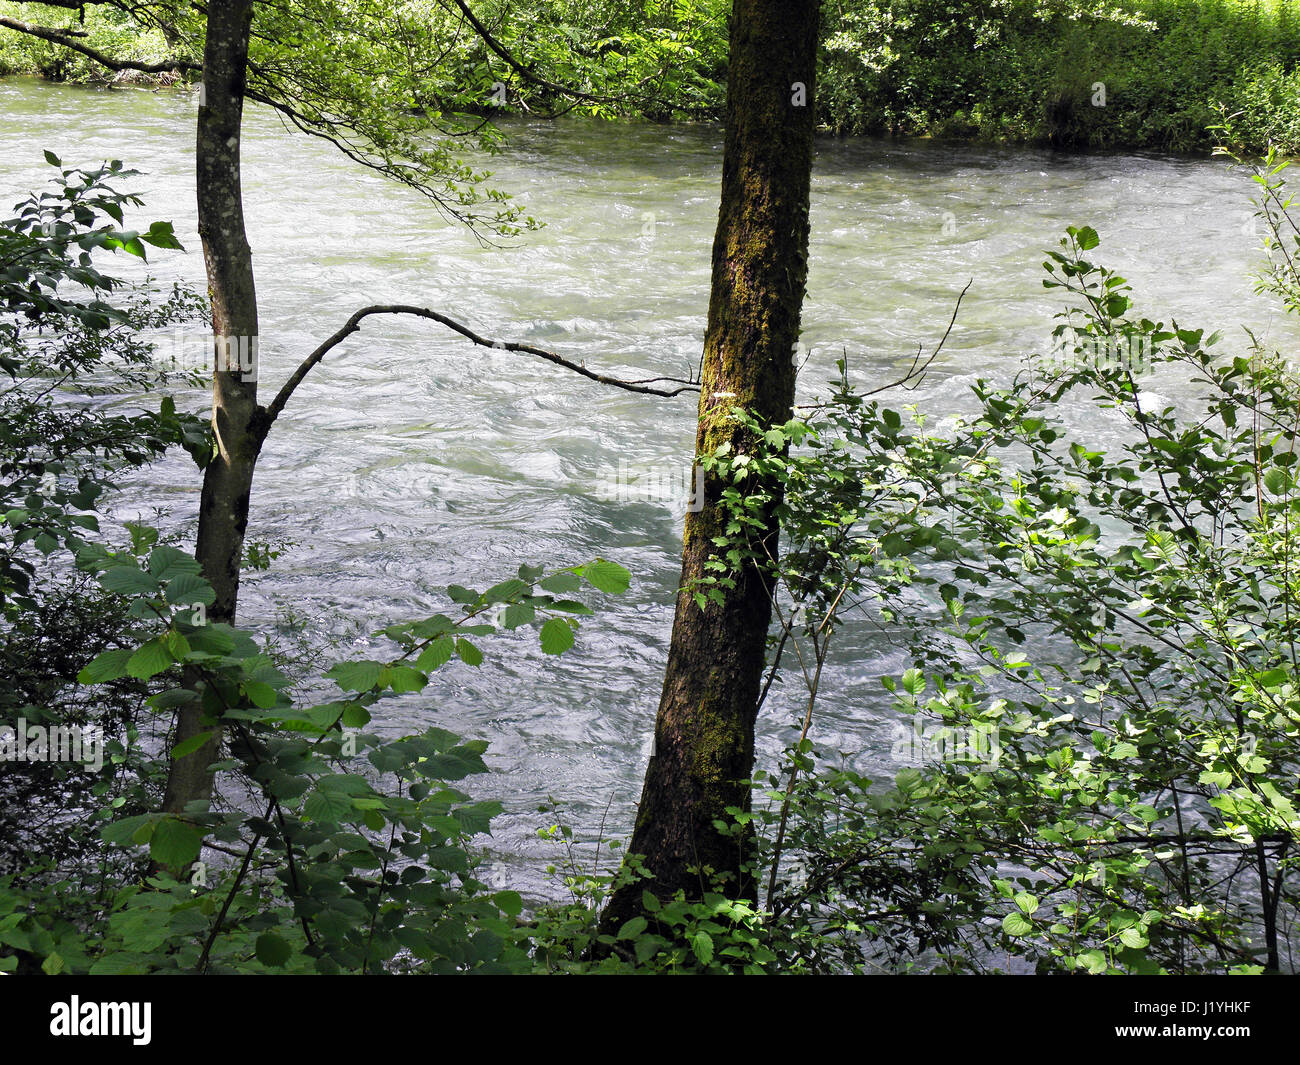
(353, 325)
(576, 94)
(68, 39)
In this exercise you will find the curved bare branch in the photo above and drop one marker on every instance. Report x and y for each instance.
(353, 325)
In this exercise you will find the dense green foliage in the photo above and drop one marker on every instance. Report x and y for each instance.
(321, 869)
(1139, 74)
(1131, 74)
(335, 848)
(1104, 648)
(1120, 800)
(70, 339)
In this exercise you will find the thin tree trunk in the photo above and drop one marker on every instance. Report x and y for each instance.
(704, 732)
(238, 424)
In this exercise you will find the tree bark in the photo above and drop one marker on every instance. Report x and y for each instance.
(704, 731)
(238, 424)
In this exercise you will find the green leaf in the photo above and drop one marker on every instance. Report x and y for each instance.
(702, 945)
(190, 588)
(509, 903)
(562, 583)
(327, 806)
(556, 636)
(168, 562)
(175, 844)
(1017, 925)
(151, 659)
(259, 694)
(107, 666)
(1131, 937)
(505, 591)
(647, 947)
(172, 698)
(404, 679)
(191, 745)
(607, 576)
(633, 928)
(517, 614)
(128, 580)
(272, 950)
(355, 716)
(356, 676)
(162, 235)
(436, 655)
(469, 654)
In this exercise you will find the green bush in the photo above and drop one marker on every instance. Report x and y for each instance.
(1103, 647)
(1030, 70)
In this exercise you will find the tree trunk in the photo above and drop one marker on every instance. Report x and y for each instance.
(704, 732)
(238, 423)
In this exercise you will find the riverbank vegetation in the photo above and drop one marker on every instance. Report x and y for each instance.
(1132, 74)
(1097, 646)
(1120, 799)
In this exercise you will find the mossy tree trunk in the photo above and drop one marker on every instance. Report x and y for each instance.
(704, 732)
(239, 425)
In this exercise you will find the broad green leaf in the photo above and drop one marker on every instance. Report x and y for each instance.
(556, 636)
(562, 583)
(633, 928)
(191, 745)
(509, 902)
(436, 655)
(151, 659)
(128, 580)
(174, 844)
(190, 588)
(607, 576)
(356, 676)
(272, 950)
(702, 946)
(1016, 925)
(110, 665)
(404, 679)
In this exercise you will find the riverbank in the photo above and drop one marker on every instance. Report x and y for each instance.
(1135, 75)
(1146, 74)
(410, 465)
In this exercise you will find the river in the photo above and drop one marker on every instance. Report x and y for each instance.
(411, 460)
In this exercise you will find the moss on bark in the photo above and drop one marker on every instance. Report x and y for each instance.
(704, 731)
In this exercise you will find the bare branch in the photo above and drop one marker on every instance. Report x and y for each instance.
(914, 376)
(911, 380)
(353, 325)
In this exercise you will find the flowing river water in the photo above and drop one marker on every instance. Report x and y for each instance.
(411, 460)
